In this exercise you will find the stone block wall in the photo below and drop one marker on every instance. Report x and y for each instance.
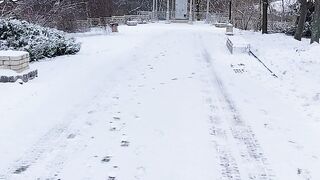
(17, 61)
(25, 77)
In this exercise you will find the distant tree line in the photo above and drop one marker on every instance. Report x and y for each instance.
(300, 18)
(56, 13)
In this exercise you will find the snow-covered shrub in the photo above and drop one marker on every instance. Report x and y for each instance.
(39, 41)
(306, 31)
(279, 27)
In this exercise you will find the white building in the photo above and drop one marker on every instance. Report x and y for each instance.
(181, 10)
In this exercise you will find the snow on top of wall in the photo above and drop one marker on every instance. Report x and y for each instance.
(12, 53)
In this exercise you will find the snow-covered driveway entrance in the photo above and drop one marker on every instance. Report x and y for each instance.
(154, 102)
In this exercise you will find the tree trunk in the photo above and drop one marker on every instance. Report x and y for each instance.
(316, 23)
(230, 11)
(302, 20)
(283, 11)
(264, 16)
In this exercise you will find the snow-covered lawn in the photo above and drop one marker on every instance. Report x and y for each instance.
(160, 101)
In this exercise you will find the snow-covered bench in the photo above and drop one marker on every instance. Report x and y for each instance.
(237, 44)
(221, 25)
(132, 23)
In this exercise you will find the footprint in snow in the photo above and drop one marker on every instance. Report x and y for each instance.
(21, 169)
(124, 141)
(106, 159)
(91, 112)
(304, 173)
(112, 176)
(113, 126)
(117, 118)
(71, 136)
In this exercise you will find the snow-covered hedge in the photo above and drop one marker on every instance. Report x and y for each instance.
(39, 41)
(278, 27)
(306, 31)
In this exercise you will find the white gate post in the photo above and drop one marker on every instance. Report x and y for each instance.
(168, 12)
(190, 11)
(208, 8)
(156, 10)
(153, 10)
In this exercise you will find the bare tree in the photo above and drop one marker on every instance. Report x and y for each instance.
(6, 7)
(265, 16)
(133, 6)
(52, 13)
(246, 14)
(302, 19)
(315, 35)
(100, 8)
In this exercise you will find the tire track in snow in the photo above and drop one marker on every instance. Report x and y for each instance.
(253, 160)
(219, 131)
(218, 128)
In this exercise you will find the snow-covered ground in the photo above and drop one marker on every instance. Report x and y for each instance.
(161, 101)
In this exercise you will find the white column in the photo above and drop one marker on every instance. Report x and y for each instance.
(156, 10)
(190, 11)
(168, 12)
(153, 9)
(208, 8)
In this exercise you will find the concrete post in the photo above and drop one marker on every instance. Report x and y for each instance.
(207, 14)
(168, 12)
(153, 9)
(156, 10)
(190, 12)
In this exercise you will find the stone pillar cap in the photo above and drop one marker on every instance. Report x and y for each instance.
(14, 55)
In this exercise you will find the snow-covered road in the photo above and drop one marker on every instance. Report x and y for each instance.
(153, 102)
